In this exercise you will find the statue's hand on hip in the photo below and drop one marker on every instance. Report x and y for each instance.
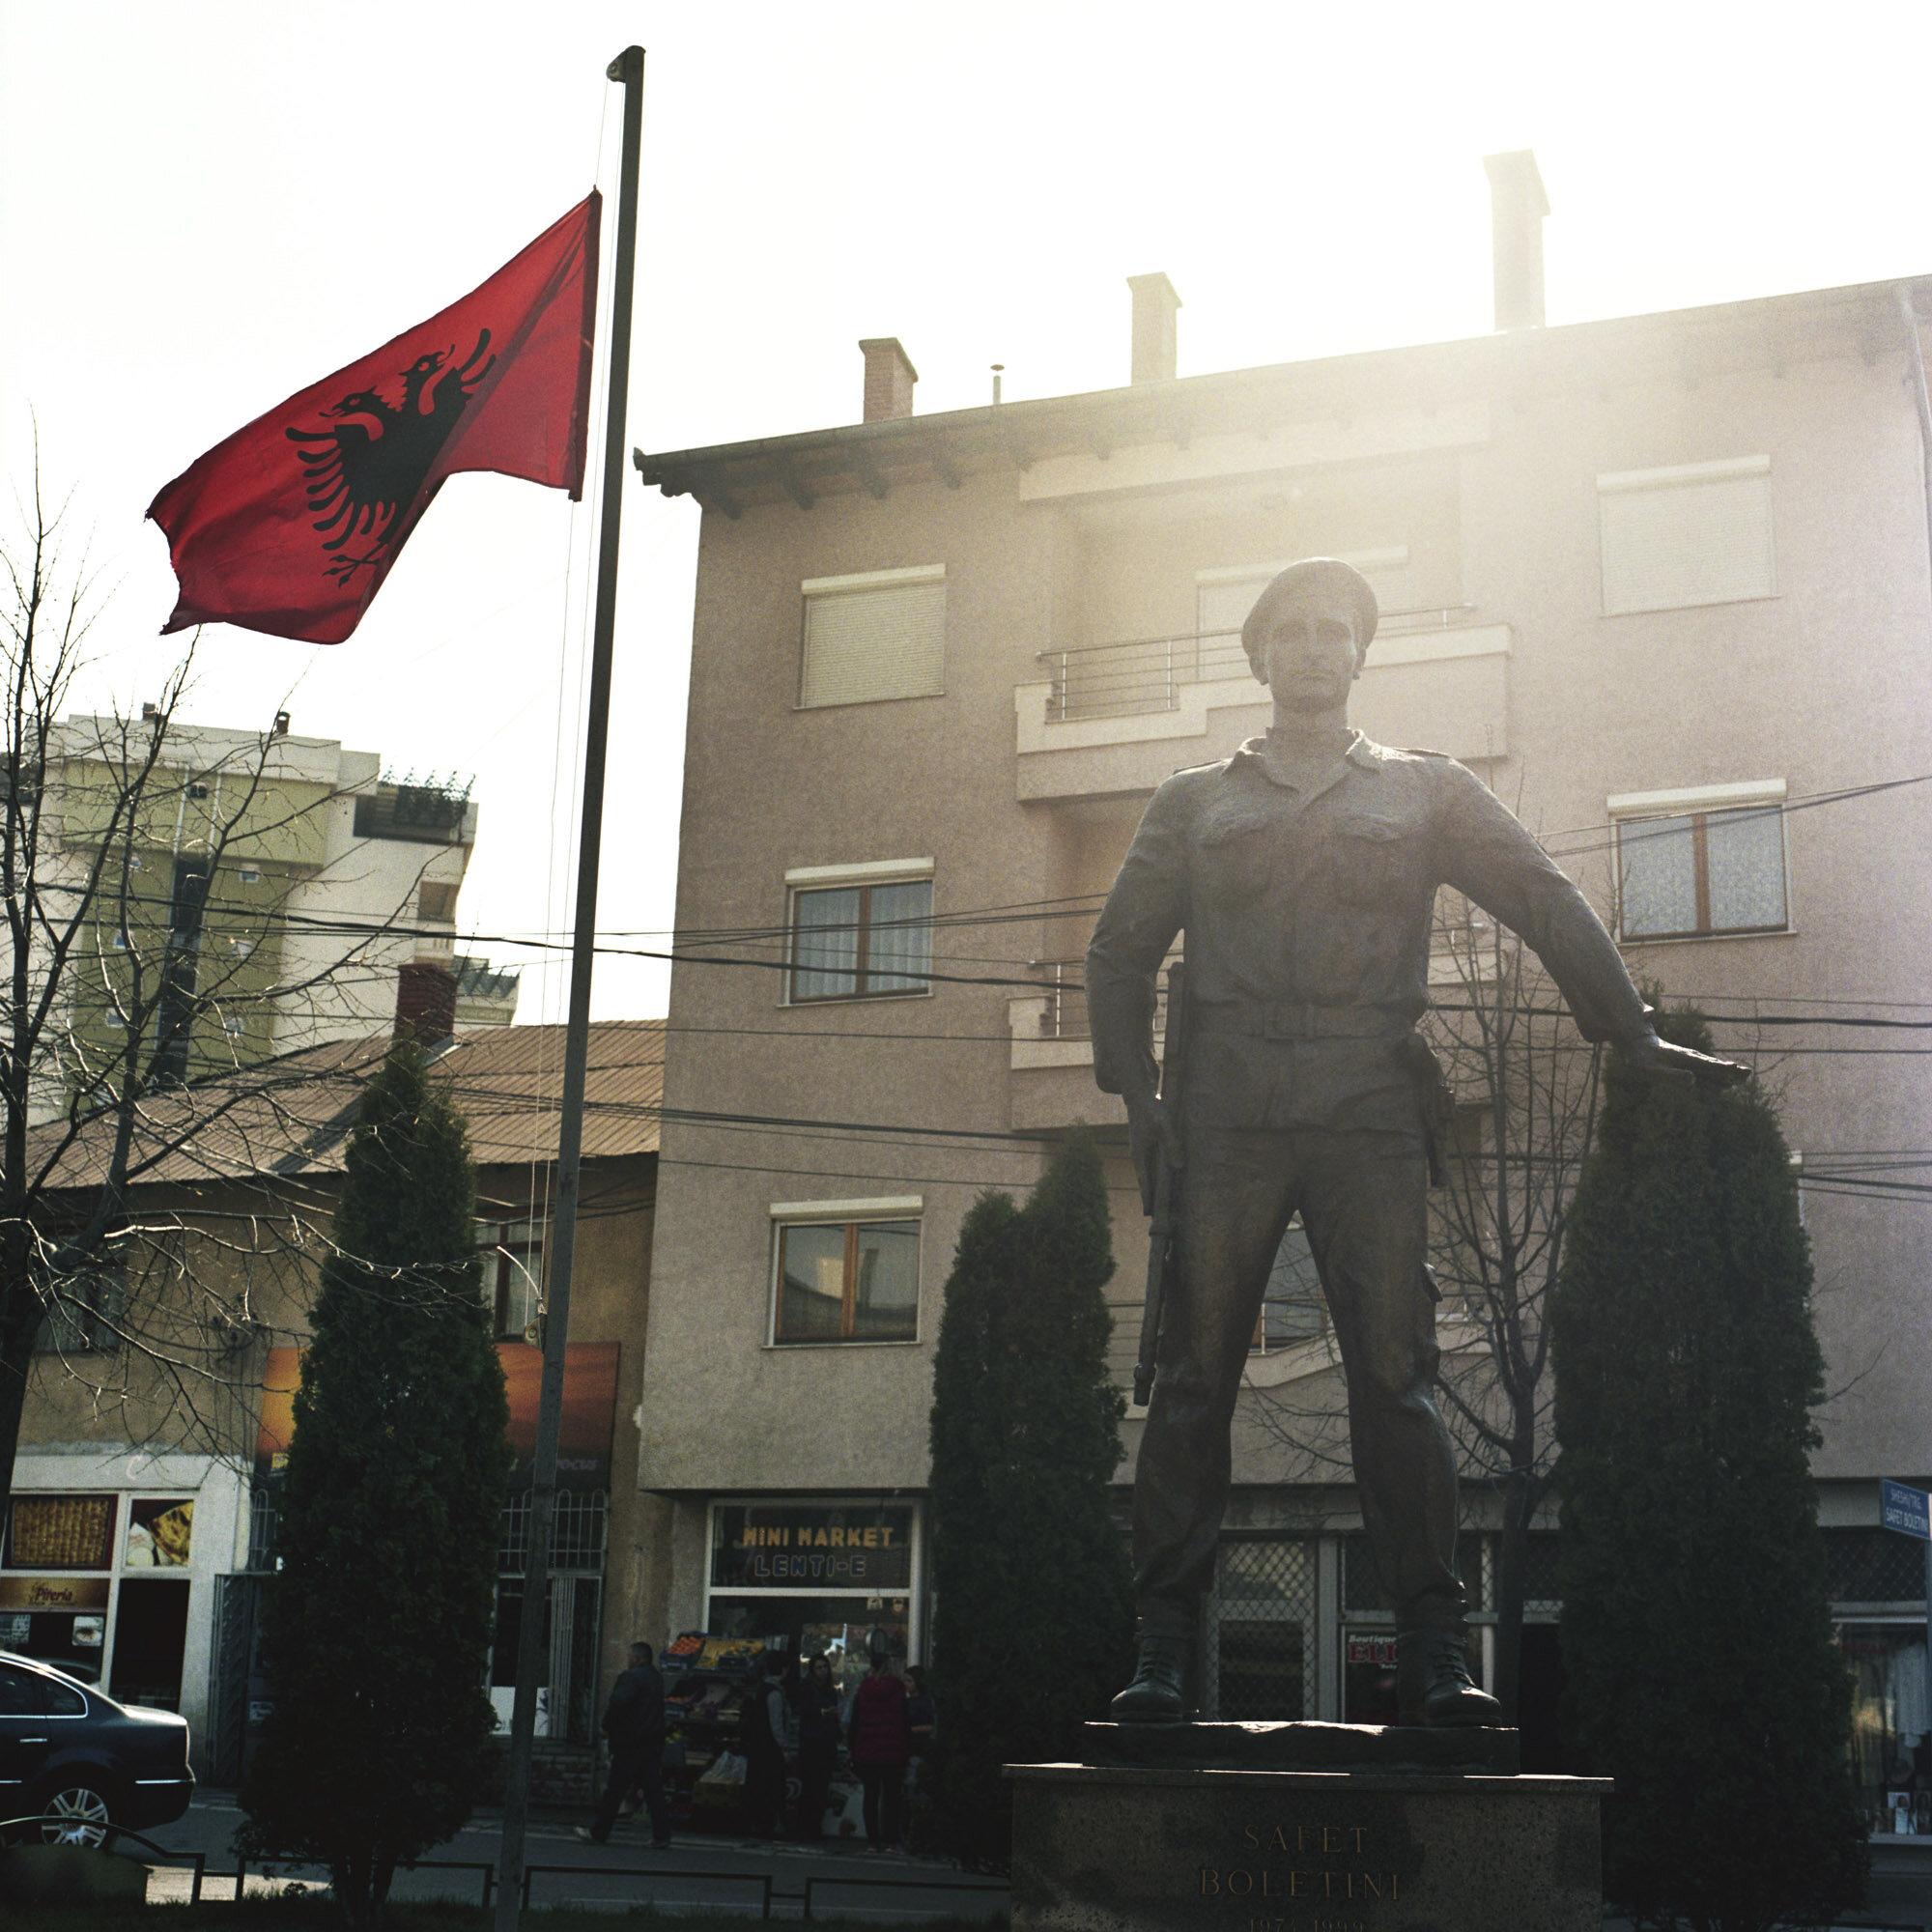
(1154, 1137)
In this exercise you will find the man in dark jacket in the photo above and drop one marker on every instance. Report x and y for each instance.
(762, 1724)
(634, 1721)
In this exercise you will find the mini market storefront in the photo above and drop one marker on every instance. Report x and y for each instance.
(818, 1573)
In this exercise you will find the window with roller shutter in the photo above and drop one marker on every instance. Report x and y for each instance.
(1699, 533)
(876, 635)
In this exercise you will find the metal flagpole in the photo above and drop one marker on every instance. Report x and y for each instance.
(629, 69)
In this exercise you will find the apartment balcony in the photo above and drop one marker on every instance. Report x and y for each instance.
(1051, 1052)
(1119, 717)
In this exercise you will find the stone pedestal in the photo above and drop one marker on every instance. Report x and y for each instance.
(1302, 1827)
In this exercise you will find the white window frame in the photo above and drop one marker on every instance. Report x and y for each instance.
(1633, 807)
(799, 879)
(890, 1207)
(859, 583)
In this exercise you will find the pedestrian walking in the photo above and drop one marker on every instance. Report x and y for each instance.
(633, 1722)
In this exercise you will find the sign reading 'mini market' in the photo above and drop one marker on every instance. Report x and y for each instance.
(829, 1542)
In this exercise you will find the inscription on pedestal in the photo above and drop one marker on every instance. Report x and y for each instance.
(1296, 1874)
(1135, 1849)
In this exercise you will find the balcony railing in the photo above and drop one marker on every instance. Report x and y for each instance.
(1065, 1015)
(1146, 674)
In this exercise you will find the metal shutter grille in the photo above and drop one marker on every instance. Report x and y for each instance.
(1873, 1566)
(1690, 543)
(864, 645)
(1261, 1662)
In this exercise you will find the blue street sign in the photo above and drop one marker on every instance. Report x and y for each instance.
(1905, 1509)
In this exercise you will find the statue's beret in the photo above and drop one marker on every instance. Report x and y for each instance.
(1314, 579)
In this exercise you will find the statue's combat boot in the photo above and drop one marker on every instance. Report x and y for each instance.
(1433, 1682)
(1158, 1694)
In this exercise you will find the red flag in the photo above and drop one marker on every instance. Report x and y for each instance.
(291, 525)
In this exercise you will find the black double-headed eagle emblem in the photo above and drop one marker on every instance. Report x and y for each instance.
(364, 472)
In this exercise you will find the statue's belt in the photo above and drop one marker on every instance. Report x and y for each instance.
(1292, 1019)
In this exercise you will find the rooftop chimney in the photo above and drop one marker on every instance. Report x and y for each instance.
(1518, 204)
(889, 378)
(425, 1004)
(1155, 304)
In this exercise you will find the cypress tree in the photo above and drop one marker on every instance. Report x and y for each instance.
(1697, 1648)
(1033, 1630)
(377, 1629)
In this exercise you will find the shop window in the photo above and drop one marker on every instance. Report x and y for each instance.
(1292, 1308)
(869, 940)
(513, 1274)
(876, 635)
(1891, 1723)
(1713, 865)
(846, 1280)
(1698, 533)
(82, 1312)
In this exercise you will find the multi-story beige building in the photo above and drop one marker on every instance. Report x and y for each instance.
(252, 893)
(1662, 580)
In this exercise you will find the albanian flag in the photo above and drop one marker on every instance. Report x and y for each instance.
(291, 525)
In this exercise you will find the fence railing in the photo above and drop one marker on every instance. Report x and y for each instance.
(1139, 675)
(1061, 981)
(653, 1876)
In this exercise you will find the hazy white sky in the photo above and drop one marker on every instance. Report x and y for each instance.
(206, 206)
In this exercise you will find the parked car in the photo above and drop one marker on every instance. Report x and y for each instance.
(81, 1761)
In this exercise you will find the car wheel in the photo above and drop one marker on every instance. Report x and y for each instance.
(75, 1814)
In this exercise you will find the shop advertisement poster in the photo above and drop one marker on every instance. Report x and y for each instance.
(589, 1410)
(60, 1533)
(160, 1532)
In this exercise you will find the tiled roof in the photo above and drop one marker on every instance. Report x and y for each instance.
(292, 1116)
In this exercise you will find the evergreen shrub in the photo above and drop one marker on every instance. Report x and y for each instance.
(377, 1630)
(1033, 1627)
(1700, 1670)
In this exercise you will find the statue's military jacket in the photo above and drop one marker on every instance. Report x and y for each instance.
(1307, 915)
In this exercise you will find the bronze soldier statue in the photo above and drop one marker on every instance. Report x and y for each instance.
(1304, 871)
